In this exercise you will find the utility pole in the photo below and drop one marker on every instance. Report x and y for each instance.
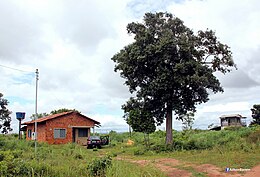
(36, 114)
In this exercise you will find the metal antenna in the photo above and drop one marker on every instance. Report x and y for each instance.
(36, 114)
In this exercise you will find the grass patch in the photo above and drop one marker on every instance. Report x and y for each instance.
(192, 170)
(234, 159)
(122, 168)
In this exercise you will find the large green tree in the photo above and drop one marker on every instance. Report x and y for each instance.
(255, 114)
(170, 67)
(5, 119)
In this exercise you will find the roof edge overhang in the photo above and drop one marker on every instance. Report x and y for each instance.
(232, 116)
(81, 126)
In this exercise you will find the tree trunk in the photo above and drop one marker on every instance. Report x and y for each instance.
(169, 125)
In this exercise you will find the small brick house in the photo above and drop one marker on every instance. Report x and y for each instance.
(66, 127)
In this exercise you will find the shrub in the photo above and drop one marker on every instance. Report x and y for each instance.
(78, 156)
(254, 137)
(39, 169)
(159, 134)
(2, 143)
(162, 148)
(67, 152)
(70, 146)
(139, 152)
(233, 128)
(11, 165)
(113, 154)
(98, 167)
(15, 135)
(112, 144)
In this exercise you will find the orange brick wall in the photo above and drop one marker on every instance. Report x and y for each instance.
(41, 129)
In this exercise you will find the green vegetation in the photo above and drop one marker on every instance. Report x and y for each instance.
(5, 118)
(126, 169)
(234, 147)
(138, 117)
(99, 166)
(256, 114)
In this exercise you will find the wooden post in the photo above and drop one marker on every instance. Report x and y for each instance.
(20, 129)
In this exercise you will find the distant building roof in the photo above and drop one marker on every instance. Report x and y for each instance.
(231, 115)
(43, 119)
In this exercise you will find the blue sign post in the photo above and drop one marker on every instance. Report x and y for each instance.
(20, 116)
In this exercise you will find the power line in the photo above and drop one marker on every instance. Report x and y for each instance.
(28, 72)
(16, 69)
(57, 99)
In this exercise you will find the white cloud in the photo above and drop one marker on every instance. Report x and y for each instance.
(110, 122)
(229, 107)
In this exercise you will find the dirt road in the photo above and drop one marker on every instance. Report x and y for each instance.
(175, 168)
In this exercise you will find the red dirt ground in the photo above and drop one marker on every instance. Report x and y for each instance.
(175, 168)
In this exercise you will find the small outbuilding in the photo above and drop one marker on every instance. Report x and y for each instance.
(66, 127)
(232, 120)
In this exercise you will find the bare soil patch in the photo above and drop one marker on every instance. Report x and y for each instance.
(254, 172)
(175, 168)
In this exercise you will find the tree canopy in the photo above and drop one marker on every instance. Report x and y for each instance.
(256, 114)
(39, 115)
(138, 117)
(187, 120)
(170, 68)
(62, 110)
(5, 119)
(57, 111)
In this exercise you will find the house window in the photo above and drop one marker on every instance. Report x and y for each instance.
(59, 133)
(29, 133)
(83, 132)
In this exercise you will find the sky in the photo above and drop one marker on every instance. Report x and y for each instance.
(72, 43)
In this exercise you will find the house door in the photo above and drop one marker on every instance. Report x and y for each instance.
(73, 135)
(80, 135)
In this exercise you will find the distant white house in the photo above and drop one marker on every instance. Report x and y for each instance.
(232, 120)
(235, 120)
